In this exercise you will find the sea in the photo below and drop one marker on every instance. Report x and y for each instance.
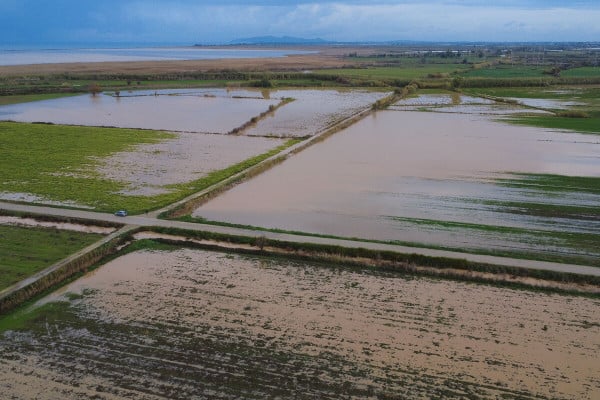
(30, 55)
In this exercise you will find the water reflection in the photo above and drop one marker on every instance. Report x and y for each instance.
(369, 180)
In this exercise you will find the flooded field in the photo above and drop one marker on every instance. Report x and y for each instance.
(432, 178)
(198, 110)
(312, 111)
(191, 324)
(153, 169)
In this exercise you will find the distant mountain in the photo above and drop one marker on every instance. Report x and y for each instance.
(278, 40)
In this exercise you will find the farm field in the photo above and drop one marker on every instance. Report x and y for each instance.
(140, 170)
(185, 323)
(412, 149)
(576, 108)
(434, 173)
(188, 110)
(312, 111)
(108, 168)
(27, 250)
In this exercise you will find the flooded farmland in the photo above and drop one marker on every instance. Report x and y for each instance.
(187, 110)
(200, 324)
(201, 110)
(427, 177)
(312, 111)
(152, 169)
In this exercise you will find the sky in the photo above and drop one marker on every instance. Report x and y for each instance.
(47, 22)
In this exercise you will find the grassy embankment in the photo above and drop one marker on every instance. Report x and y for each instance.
(25, 251)
(59, 163)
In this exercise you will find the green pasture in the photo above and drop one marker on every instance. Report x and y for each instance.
(25, 251)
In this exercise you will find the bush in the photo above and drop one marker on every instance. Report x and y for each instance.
(573, 114)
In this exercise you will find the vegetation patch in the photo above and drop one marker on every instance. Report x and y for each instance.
(553, 183)
(591, 124)
(58, 163)
(26, 98)
(25, 251)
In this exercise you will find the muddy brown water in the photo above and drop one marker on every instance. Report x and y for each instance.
(312, 111)
(192, 323)
(422, 165)
(208, 110)
(30, 222)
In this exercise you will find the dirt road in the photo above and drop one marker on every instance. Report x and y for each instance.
(147, 221)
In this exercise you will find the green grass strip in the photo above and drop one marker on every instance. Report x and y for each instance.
(25, 251)
(583, 125)
(27, 98)
(553, 183)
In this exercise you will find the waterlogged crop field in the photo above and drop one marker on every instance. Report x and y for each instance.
(198, 324)
(109, 168)
(436, 171)
(575, 108)
(312, 111)
(200, 110)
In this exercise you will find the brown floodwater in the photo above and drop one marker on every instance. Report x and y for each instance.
(422, 165)
(312, 111)
(18, 221)
(202, 110)
(192, 323)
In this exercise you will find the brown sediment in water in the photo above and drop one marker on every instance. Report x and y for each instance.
(202, 110)
(30, 222)
(413, 165)
(213, 320)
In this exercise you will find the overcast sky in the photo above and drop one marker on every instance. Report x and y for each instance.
(43, 22)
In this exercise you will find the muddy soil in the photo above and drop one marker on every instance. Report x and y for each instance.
(191, 323)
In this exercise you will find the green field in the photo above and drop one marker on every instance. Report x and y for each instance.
(59, 163)
(583, 125)
(25, 251)
(413, 71)
(581, 72)
(26, 98)
(506, 71)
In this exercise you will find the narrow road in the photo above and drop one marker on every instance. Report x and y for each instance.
(148, 221)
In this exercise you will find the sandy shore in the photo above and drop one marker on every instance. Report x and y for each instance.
(290, 63)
